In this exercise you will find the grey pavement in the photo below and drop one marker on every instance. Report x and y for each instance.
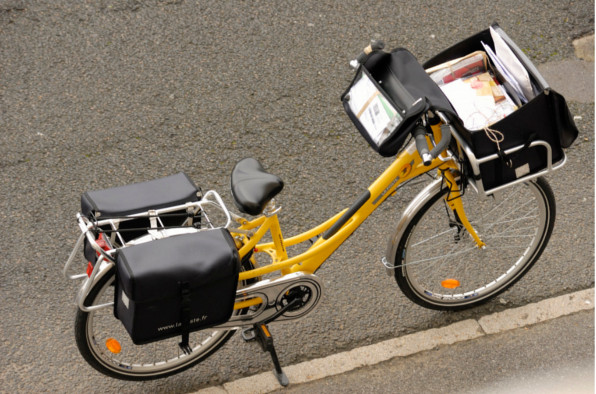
(545, 347)
(532, 359)
(98, 94)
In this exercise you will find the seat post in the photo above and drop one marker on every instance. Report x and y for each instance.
(271, 211)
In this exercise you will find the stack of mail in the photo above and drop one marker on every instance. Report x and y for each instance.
(479, 101)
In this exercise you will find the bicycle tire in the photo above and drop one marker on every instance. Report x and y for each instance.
(93, 346)
(438, 264)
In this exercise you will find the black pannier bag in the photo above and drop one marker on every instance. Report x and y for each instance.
(124, 200)
(545, 117)
(394, 89)
(176, 285)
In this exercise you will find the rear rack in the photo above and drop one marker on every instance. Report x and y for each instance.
(210, 206)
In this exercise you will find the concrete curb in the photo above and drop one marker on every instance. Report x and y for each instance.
(584, 48)
(335, 364)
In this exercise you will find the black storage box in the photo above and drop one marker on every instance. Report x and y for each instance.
(545, 117)
(138, 197)
(152, 278)
(124, 200)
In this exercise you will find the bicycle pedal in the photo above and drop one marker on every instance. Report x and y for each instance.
(249, 334)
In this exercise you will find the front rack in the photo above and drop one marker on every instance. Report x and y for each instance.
(210, 206)
(476, 179)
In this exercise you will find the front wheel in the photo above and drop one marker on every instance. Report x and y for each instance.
(438, 264)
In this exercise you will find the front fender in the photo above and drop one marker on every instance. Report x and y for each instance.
(408, 214)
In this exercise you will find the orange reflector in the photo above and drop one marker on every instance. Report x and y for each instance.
(113, 345)
(450, 283)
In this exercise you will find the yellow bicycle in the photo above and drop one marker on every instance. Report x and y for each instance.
(456, 245)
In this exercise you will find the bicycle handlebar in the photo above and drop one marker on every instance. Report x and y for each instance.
(375, 45)
(422, 146)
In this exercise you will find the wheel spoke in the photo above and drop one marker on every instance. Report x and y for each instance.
(513, 225)
(148, 361)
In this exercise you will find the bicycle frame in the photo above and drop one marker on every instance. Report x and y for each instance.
(296, 290)
(332, 233)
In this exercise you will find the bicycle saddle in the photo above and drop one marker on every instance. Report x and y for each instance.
(253, 187)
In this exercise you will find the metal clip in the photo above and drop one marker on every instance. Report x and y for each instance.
(386, 263)
(271, 209)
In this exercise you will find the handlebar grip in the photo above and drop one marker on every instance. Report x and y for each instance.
(375, 45)
(362, 57)
(422, 145)
(445, 140)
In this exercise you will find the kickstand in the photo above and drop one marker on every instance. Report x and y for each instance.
(262, 334)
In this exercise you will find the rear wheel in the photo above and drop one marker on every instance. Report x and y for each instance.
(106, 345)
(438, 264)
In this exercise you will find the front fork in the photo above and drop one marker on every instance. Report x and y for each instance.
(453, 199)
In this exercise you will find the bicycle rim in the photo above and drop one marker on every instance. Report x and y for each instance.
(106, 345)
(440, 265)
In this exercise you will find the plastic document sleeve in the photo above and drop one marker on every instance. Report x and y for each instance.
(377, 115)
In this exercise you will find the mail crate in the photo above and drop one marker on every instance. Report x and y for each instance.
(541, 125)
(391, 92)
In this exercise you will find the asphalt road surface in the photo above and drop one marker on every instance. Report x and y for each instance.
(103, 93)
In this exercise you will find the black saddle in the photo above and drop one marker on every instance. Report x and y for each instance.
(253, 187)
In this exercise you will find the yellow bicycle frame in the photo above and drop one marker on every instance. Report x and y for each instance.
(332, 233)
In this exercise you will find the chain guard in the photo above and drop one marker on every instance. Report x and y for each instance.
(276, 293)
